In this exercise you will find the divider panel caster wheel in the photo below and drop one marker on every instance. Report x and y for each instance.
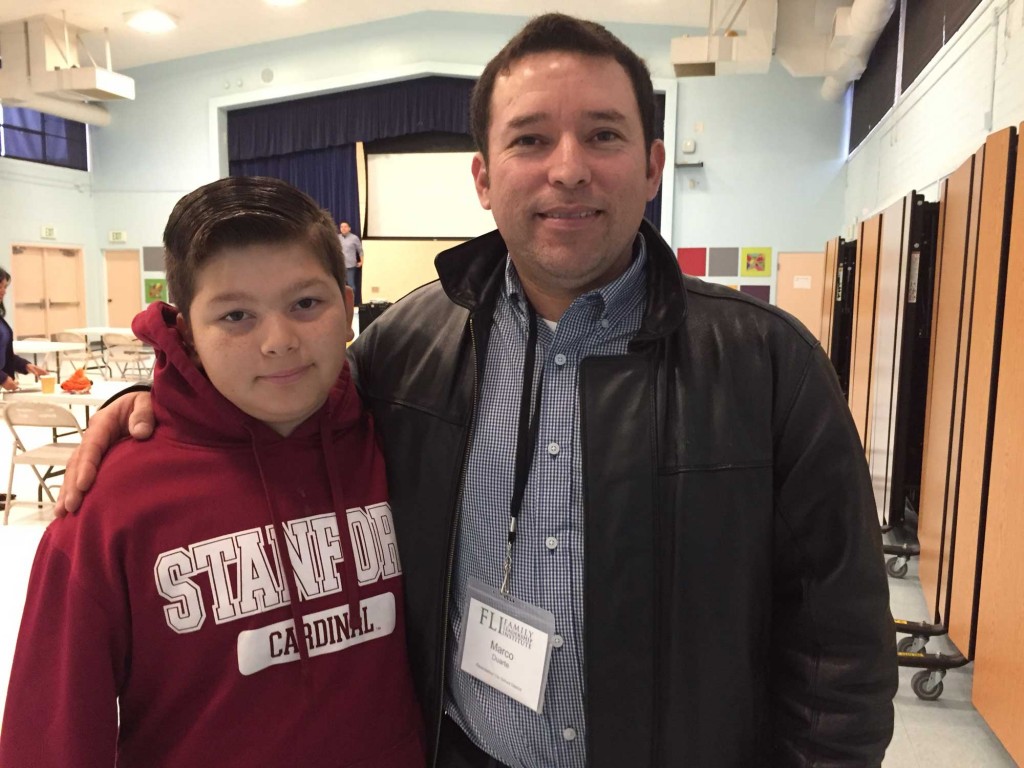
(911, 644)
(897, 567)
(924, 687)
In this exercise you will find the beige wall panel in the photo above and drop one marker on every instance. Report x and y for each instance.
(889, 298)
(392, 268)
(863, 322)
(828, 296)
(799, 285)
(998, 690)
(978, 387)
(942, 420)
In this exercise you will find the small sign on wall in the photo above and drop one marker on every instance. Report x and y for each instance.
(117, 236)
(156, 290)
(48, 232)
(802, 282)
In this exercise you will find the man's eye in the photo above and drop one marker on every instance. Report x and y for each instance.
(307, 302)
(525, 141)
(606, 136)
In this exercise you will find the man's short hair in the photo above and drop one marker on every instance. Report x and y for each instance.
(558, 32)
(237, 212)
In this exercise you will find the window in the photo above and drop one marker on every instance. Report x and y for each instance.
(29, 135)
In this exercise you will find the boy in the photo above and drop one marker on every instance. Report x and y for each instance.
(243, 603)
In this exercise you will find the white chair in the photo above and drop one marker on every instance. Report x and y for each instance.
(19, 415)
(86, 358)
(128, 356)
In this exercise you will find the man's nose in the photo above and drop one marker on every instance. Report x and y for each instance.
(569, 166)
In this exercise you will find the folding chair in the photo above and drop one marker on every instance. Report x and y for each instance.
(51, 455)
(87, 358)
(126, 354)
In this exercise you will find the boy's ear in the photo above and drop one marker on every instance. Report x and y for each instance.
(350, 306)
(186, 336)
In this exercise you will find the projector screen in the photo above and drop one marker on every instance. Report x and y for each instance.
(423, 195)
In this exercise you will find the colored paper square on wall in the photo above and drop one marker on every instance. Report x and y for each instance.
(756, 262)
(156, 290)
(723, 262)
(693, 261)
(762, 292)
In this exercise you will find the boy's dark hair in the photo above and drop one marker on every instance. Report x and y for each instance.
(240, 211)
(558, 32)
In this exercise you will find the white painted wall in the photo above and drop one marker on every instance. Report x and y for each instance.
(973, 87)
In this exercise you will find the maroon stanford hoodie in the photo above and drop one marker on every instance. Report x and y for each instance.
(160, 624)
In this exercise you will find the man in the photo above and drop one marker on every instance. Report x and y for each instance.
(352, 248)
(678, 511)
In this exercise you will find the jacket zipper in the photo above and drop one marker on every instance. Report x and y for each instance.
(451, 549)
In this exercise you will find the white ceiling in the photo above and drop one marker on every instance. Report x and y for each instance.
(212, 25)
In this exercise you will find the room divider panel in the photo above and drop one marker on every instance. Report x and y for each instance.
(828, 298)
(862, 341)
(999, 664)
(941, 451)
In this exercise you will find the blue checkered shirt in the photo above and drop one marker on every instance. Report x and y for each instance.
(547, 560)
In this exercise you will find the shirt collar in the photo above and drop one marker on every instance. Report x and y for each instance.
(616, 297)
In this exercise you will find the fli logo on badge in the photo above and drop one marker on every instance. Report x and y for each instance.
(507, 644)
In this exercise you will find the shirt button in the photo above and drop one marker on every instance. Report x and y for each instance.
(604, 324)
(553, 449)
(569, 734)
(557, 641)
(559, 359)
(551, 542)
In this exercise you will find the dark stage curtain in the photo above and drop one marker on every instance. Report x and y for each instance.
(327, 175)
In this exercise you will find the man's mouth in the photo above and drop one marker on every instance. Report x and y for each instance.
(568, 215)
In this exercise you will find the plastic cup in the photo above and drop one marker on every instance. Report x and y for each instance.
(48, 381)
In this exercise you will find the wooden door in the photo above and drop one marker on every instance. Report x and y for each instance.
(65, 288)
(29, 292)
(800, 283)
(124, 287)
(49, 290)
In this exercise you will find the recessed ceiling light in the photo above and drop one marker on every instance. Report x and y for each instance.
(284, 3)
(151, 20)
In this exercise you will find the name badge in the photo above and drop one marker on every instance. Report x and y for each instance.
(507, 644)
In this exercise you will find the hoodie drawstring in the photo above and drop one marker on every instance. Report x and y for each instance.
(349, 576)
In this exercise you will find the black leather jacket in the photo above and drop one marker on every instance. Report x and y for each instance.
(736, 607)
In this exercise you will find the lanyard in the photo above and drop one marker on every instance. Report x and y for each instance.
(526, 443)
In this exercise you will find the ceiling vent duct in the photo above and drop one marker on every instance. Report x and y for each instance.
(743, 43)
(42, 70)
(855, 30)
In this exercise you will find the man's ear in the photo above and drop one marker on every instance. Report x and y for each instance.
(350, 306)
(185, 331)
(655, 167)
(482, 181)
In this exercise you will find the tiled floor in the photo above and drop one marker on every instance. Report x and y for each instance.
(947, 733)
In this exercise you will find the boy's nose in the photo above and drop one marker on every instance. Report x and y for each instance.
(279, 338)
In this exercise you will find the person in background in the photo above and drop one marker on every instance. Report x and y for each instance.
(206, 608)
(11, 363)
(352, 248)
(637, 523)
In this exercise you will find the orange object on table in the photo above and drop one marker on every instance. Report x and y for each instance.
(77, 382)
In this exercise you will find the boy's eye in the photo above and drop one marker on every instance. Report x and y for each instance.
(234, 317)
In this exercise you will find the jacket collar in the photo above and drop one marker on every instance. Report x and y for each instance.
(471, 274)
